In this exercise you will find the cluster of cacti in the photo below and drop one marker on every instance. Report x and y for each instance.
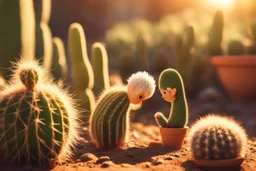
(216, 34)
(172, 89)
(217, 138)
(109, 122)
(17, 32)
(59, 65)
(38, 122)
(81, 70)
(99, 60)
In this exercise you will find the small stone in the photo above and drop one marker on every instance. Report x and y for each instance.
(102, 159)
(158, 161)
(147, 165)
(126, 165)
(88, 157)
(168, 158)
(107, 164)
(155, 144)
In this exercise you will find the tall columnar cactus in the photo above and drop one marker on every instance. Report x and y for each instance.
(109, 122)
(81, 69)
(184, 46)
(172, 90)
(236, 47)
(43, 50)
(37, 119)
(217, 138)
(17, 32)
(215, 35)
(141, 49)
(100, 68)
(59, 66)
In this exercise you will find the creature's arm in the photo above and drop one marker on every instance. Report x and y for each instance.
(160, 119)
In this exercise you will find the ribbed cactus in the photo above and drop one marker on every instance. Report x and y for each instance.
(236, 47)
(59, 66)
(109, 122)
(81, 69)
(37, 119)
(43, 50)
(217, 138)
(100, 68)
(17, 32)
(215, 35)
(172, 90)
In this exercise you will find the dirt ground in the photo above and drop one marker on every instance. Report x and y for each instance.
(138, 157)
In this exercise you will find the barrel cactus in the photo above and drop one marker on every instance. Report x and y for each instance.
(109, 122)
(215, 137)
(172, 90)
(37, 119)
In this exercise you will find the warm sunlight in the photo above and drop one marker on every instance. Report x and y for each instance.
(222, 4)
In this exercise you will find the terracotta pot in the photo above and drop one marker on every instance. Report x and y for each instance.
(220, 163)
(173, 137)
(237, 74)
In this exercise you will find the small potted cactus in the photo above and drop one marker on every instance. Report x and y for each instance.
(109, 122)
(173, 129)
(217, 141)
(236, 66)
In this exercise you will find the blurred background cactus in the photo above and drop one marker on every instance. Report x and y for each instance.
(38, 120)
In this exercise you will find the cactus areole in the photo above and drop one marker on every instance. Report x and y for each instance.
(36, 119)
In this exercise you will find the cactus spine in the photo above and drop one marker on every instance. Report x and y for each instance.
(215, 35)
(217, 138)
(43, 32)
(59, 66)
(81, 69)
(109, 122)
(100, 68)
(37, 119)
(17, 32)
(178, 117)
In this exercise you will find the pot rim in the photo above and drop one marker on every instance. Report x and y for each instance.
(234, 60)
(220, 163)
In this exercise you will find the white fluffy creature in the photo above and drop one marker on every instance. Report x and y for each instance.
(141, 86)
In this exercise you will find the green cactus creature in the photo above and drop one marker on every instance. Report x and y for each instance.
(100, 68)
(81, 69)
(172, 90)
(17, 32)
(38, 122)
(109, 122)
(215, 137)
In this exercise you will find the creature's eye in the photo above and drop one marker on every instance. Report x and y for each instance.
(140, 97)
(164, 92)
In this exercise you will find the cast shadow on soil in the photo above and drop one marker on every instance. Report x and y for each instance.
(190, 165)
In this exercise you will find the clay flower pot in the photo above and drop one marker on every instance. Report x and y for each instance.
(173, 137)
(237, 74)
(220, 163)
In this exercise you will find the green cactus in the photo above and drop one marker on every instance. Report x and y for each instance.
(172, 90)
(236, 47)
(43, 50)
(100, 68)
(38, 120)
(59, 66)
(17, 32)
(81, 69)
(215, 137)
(141, 48)
(109, 122)
(216, 34)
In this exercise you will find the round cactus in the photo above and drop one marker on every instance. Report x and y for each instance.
(109, 122)
(37, 120)
(217, 138)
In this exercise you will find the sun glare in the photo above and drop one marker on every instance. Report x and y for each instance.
(222, 4)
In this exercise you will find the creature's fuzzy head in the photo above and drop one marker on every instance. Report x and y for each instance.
(141, 86)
